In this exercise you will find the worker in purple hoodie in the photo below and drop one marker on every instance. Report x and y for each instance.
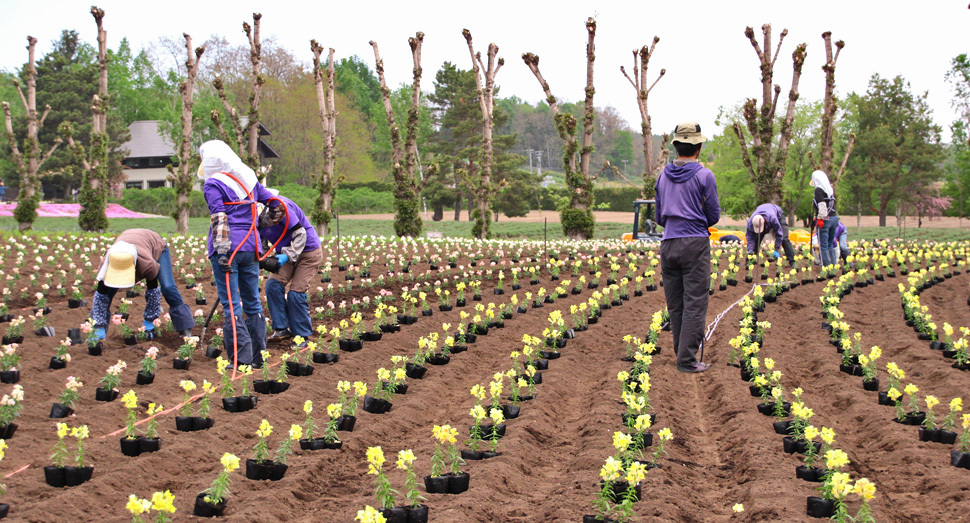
(234, 195)
(298, 258)
(687, 205)
(768, 218)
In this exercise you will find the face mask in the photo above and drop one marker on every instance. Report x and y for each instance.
(201, 173)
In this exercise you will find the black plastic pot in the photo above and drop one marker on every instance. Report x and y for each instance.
(394, 514)
(436, 485)
(376, 405)
(105, 395)
(181, 364)
(346, 423)
(931, 435)
(10, 376)
(511, 411)
(813, 474)
(371, 336)
(129, 446)
(54, 476)
(56, 363)
(298, 369)
(212, 352)
(144, 379)
(820, 507)
(438, 359)
(458, 483)
(7, 431)
(325, 357)
(415, 371)
(61, 411)
(350, 345)
(957, 459)
(204, 509)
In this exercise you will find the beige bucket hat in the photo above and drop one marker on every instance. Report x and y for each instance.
(119, 270)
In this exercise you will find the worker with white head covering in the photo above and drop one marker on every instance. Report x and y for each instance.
(826, 218)
(140, 254)
(767, 219)
(235, 198)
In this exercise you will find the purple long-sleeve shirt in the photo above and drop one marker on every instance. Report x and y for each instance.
(687, 201)
(239, 217)
(771, 213)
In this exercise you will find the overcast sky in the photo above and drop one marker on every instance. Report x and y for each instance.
(709, 61)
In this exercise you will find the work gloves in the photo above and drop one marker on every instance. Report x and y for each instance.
(149, 329)
(274, 263)
(776, 255)
(99, 334)
(224, 264)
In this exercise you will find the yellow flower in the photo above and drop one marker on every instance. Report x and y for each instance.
(343, 386)
(370, 515)
(621, 441)
(642, 423)
(956, 404)
(164, 502)
(738, 508)
(965, 423)
(769, 363)
(894, 393)
(405, 458)
(445, 434)
(478, 413)
(611, 469)
(811, 432)
(910, 389)
(334, 410)
(230, 462)
(208, 387)
(478, 392)
(265, 429)
(840, 485)
(828, 435)
(308, 406)
(137, 506)
(383, 374)
(931, 402)
(296, 432)
(154, 409)
(636, 473)
(865, 489)
(360, 389)
(835, 459)
(665, 434)
(375, 460)
(130, 400)
(187, 385)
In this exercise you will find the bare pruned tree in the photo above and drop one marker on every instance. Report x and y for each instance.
(829, 108)
(248, 148)
(577, 219)
(183, 180)
(326, 182)
(483, 188)
(94, 160)
(765, 159)
(28, 162)
(407, 188)
(638, 80)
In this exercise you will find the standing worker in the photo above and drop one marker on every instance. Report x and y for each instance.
(3, 191)
(298, 257)
(769, 218)
(140, 254)
(233, 193)
(826, 219)
(687, 205)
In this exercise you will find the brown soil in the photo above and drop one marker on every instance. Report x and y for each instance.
(724, 451)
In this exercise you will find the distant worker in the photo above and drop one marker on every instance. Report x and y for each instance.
(140, 254)
(825, 216)
(3, 191)
(298, 258)
(687, 205)
(840, 240)
(769, 218)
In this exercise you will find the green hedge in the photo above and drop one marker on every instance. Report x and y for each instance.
(358, 200)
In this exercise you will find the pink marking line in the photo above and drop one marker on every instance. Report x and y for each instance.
(70, 210)
(21, 469)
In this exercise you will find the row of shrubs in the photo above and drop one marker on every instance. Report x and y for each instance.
(366, 198)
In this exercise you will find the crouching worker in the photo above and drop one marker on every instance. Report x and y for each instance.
(233, 193)
(140, 254)
(767, 219)
(298, 257)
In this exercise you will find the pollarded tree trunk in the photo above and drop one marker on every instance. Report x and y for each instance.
(94, 161)
(407, 189)
(326, 183)
(767, 168)
(248, 149)
(639, 82)
(482, 187)
(184, 179)
(829, 108)
(28, 167)
(577, 220)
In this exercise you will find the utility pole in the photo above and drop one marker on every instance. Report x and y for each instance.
(626, 166)
(539, 160)
(530, 151)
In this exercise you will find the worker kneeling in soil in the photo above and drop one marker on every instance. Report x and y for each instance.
(140, 254)
(768, 218)
(298, 258)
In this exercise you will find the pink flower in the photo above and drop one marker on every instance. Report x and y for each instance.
(157, 322)
(199, 313)
(86, 328)
(116, 320)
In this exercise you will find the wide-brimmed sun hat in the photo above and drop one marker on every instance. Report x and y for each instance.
(689, 132)
(120, 271)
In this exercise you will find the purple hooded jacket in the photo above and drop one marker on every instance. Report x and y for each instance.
(687, 201)
(770, 212)
(239, 216)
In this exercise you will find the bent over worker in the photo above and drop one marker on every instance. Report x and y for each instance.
(769, 218)
(298, 257)
(140, 254)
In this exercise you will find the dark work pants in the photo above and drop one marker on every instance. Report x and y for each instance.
(686, 268)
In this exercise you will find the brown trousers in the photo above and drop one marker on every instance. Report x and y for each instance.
(299, 274)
